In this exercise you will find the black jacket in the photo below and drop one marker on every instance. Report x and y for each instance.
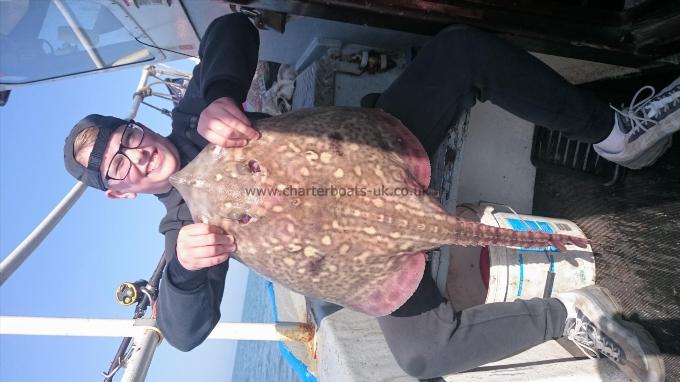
(188, 305)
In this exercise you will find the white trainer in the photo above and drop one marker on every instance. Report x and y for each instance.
(647, 125)
(595, 325)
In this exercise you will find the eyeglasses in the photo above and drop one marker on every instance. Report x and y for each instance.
(120, 165)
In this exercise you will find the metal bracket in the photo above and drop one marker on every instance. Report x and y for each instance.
(263, 19)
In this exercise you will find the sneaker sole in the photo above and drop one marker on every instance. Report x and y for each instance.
(657, 140)
(655, 363)
(650, 156)
(606, 314)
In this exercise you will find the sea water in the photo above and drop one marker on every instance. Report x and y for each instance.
(259, 361)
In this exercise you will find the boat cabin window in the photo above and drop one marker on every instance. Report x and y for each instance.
(43, 39)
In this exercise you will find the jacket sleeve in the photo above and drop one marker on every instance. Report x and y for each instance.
(228, 53)
(188, 305)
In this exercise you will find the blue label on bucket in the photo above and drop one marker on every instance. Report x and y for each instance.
(533, 225)
(521, 275)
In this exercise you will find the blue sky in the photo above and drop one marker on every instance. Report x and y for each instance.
(98, 245)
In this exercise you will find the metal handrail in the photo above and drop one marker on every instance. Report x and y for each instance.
(82, 37)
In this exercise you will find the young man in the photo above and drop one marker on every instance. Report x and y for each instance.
(459, 66)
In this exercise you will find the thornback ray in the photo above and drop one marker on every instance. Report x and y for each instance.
(332, 203)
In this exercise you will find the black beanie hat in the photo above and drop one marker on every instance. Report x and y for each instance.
(90, 175)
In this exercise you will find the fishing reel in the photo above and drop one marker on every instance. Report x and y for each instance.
(129, 293)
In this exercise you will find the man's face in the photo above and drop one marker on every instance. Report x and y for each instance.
(152, 163)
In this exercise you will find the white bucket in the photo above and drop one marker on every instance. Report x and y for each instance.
(498, 274)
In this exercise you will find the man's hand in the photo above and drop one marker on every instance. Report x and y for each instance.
(202, 245)
(224, 124)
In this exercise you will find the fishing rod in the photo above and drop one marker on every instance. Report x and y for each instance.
(144, 294)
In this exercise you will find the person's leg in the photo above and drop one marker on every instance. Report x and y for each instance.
(425, 298)
(462, 64)
(440, 341)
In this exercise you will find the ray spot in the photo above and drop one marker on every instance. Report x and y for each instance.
(325, 157)
(293, 247)
(294, 148)
(363, 256)
(310, 251)
(311, 156)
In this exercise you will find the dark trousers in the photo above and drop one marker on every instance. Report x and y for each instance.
(458, 67)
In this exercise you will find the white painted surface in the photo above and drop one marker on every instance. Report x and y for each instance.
(496, 163)
(546, 362)
(105, 327)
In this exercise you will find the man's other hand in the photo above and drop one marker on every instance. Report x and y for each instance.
(202, 245)
(224, 124)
